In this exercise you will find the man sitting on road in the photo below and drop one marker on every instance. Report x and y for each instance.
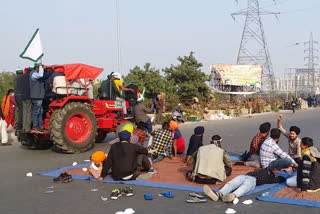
(252, 158)
(125, 159)
(161, 146)
(210, 163)
(272, 156)
(195, 142)
(293, 139)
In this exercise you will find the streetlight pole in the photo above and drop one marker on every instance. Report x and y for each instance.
(118, 35)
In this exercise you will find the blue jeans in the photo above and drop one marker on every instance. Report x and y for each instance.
(239, 186)
(280, 164)
(37, 112)
(148, 126)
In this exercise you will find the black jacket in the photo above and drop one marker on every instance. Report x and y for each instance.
(107, 91)
(122, 158)
(132, 95)
(264, 176)
(18, 87)
(26, 86)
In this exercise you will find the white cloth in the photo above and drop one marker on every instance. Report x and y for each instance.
(292, 182)
(4, 133)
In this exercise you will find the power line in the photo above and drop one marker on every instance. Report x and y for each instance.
(253, 47)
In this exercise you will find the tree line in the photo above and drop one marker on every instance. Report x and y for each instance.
(184, 80)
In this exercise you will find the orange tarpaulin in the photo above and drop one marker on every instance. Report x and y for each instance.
(77, 71)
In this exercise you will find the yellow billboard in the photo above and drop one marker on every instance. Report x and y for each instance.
(239, 75)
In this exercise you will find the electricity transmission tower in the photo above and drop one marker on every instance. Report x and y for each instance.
(311, 59)
(253, 48)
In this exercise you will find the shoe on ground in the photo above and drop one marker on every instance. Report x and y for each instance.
(63, 178)
(115, 194)
(128, 191)
(196, 200)
(6, 144)
(228, 197)
(196, 194)
(210, 193)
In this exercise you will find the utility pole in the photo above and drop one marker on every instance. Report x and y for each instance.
(311, 59)
(253, 48)
(118, 36)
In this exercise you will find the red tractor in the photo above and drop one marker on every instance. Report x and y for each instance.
(73, 122)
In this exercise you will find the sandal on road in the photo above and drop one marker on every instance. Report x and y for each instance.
(196, 194)
(196, 200)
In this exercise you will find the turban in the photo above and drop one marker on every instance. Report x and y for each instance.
(295, 129)
(173, 125)
(199, 130)
(124, 136)
(98, 156)
(128, 127)
(19, 71)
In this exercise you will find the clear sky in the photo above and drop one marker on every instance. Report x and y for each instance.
(155, 31)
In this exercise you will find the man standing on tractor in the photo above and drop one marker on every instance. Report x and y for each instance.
(37, 93)
(116, 79)
(132, 97)
(18, 88)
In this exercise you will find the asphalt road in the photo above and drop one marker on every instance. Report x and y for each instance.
(21, 194)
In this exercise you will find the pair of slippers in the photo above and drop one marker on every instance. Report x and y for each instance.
(196, 198)
(148, 196)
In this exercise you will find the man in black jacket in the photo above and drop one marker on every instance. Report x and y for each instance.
(132, 97)
(125, 159)
(26, 102)
(108, 89)
(18, 89)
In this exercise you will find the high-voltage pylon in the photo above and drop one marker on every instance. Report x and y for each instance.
(311, 59)
(253, 48)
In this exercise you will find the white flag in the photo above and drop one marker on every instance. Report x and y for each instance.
(33, 50)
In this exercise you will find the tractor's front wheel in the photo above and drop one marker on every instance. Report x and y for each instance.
(73, 128)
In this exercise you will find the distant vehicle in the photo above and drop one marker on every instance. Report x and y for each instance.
(236, 79)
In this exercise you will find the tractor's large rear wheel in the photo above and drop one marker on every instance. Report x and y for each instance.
(73, 128)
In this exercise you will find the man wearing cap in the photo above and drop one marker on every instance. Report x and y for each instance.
(132, 97)
(18, 88)
(116, 79)
(125, 159)
(293, 139)
(37, 93)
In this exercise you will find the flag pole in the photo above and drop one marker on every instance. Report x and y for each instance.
(118, 35)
